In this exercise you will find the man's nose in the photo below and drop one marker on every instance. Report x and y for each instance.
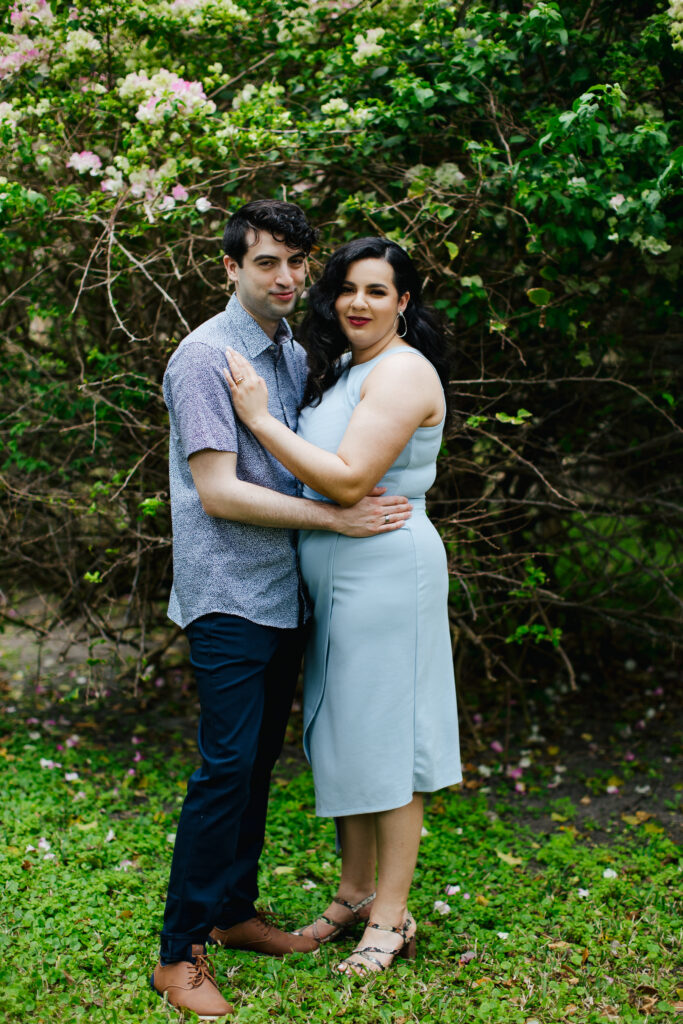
(285, 275)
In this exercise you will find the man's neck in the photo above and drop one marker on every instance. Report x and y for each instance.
(268, 327)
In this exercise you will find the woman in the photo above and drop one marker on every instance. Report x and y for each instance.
(380, 720)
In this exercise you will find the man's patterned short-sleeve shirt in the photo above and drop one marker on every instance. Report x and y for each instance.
(220, 565)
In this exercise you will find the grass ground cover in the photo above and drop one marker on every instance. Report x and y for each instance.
(529, 910)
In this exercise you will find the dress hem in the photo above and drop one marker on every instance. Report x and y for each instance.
(394, 806)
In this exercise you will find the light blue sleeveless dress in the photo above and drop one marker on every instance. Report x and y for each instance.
(380, 716)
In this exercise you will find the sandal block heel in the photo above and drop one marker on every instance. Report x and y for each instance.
(409, 951)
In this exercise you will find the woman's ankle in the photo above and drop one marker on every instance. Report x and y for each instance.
(354, 894)
(389, 915)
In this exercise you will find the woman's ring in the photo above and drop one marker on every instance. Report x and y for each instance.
(238, 380)
(387, 518)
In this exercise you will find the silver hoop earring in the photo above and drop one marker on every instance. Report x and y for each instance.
(405, 325)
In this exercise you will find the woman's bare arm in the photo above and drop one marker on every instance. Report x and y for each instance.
(398, 396)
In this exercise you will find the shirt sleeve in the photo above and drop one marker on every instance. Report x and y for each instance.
(198, 399)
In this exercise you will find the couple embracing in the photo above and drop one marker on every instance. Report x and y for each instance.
(288, 537)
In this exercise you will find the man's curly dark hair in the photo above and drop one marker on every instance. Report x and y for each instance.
(286, 222)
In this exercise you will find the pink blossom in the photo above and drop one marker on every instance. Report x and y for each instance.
(158, 683)
(514, 773)
(131, 771)
(135, 740)
(497, 747)
(451, 890)
(180, 193)
(85, 162)
(138, 756)
(629, 756)
(520, 787)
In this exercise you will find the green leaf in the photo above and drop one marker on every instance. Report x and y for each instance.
(539, 296)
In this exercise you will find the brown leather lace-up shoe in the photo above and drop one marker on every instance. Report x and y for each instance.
(259, 936)
(191, 986)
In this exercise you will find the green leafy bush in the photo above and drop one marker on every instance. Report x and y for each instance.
(524, 153)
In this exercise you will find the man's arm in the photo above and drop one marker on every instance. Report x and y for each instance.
(225, 496)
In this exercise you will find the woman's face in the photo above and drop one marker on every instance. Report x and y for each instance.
(368, 304)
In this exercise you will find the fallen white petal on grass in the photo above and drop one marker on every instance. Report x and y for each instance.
(441, 907)
(609, 873)
(502, 935)
(424, 831)
(451, 890)
(583, 893)
(308, 884)
(71, 777)
(43, 844)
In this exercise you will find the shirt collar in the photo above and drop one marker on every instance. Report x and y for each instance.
(254, 337)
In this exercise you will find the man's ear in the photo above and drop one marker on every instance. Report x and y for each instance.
(232, 268)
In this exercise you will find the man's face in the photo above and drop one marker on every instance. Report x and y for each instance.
(270, 280)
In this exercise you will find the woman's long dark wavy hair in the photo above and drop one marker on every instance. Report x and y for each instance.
(324, 339)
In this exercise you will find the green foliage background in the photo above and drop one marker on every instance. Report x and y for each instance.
(526, 155)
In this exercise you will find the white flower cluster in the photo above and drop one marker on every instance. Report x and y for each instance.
(448, 175)
(165, 93)
(675, 12)
(298, 27)
(244, 96)
(367, 46)
(23, 14)
(79, 43)
(343, 115)
(9, 115)
(22, 50)
(197, 11)
(85, 162)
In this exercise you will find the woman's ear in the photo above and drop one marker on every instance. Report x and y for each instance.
(403, 302)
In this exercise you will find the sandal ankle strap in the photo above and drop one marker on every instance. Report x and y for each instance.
(354, 907)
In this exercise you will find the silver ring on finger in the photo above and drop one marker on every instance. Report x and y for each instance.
(238, 381)
(387, 518)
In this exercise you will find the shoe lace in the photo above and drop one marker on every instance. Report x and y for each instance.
(202, 971)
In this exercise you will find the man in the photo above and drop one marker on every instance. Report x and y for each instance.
(237, 593)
